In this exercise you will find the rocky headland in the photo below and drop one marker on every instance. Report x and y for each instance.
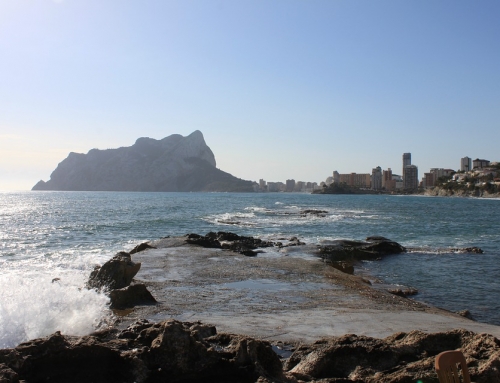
(172, 164)
(221, 307)
(439, 191)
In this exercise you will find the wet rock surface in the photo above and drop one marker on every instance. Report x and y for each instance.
(284, 293)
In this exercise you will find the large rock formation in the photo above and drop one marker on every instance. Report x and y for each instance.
(175, 163)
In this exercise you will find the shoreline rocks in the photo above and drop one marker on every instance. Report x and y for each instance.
(192, 352)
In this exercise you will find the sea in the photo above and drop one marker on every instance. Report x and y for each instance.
(51, 241)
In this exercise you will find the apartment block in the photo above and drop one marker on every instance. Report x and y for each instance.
(428, 181)
(479, 164)
(465, 164)
(376, 178)
(410, 177)
(386, 176)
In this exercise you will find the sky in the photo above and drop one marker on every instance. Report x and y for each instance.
(280, 89)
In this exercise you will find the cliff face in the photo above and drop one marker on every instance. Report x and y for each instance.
(175, 163)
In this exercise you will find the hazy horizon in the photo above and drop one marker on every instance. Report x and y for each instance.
(282, 89)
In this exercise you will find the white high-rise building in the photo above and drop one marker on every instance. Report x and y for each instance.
(465, 164)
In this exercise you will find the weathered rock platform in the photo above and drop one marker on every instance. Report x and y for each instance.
(282, 294)
(295, 316)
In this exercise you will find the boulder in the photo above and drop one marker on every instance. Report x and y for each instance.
(116, 273)
(350, 250)
(131, 296)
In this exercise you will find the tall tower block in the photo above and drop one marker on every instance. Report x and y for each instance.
(406, 161)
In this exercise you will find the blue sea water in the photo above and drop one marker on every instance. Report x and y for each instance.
(50, 241)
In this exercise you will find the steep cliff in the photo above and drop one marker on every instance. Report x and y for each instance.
(175, 163)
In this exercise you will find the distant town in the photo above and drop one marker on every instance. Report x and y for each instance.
(478, 173)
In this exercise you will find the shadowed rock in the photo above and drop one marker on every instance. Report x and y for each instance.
(229, 241)
(403, 292)
(173, 351)
(115, 273)
(402, 357)
(130, 296)
(349, 250)
(169, 351)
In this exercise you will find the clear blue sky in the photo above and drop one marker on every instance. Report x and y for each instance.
(280, 88)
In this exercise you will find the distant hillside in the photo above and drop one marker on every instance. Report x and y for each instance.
(175, 163)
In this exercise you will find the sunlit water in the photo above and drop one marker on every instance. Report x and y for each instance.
(48, 235)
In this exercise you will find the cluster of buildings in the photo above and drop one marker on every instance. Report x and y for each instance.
(381, 179)
(290, 186)
(385, 180)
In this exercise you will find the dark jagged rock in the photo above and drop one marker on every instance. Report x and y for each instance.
(348, 250)
(141, 247)
(229, 241)
(402, 357)
(115, 273)
(210, 240)
(466, 314)
(403, 292)
(176, 352)
(7, 375)
(316, 212)
(115, 277)
(131, 296)
(174, 163)
(169, 351)
(473, 250)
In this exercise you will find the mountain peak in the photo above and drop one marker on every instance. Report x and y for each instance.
(174, 163)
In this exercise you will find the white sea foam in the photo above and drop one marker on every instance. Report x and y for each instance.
(41, 296)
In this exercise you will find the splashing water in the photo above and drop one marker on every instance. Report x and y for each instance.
(33, 307)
